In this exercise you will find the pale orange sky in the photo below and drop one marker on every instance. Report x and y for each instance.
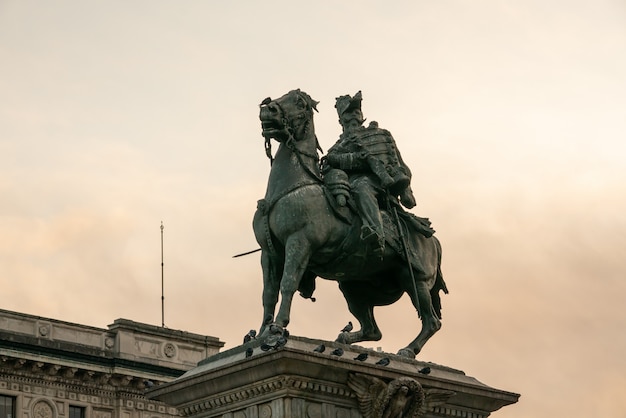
(117, 115)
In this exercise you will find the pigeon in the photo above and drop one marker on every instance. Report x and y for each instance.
(383, 361)
(348, 327)
(148, 383)
(266, 347)
(337, 352)
(320, 348)
(251, 335)
(424, 370)
(281, 341)
(249, 352)
(361, 357)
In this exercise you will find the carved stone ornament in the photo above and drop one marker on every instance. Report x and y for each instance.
(401, 398)
(109, 343)
(265, 411)
(44, 330)
(42, 410)
(169, 350)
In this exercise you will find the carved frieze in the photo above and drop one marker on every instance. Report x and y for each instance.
(101, 413)
(60, 374)
(340, 395)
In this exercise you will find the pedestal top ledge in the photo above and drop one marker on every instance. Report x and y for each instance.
(251, 364)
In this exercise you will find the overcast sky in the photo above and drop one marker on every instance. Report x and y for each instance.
(117, 115)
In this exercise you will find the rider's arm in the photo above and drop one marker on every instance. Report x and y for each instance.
(348, 160)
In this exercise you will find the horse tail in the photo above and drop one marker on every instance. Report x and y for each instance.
(440, 284)
(307, 285)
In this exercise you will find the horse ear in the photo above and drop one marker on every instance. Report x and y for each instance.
(310, 101)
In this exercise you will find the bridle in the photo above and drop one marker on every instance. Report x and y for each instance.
(290, 125)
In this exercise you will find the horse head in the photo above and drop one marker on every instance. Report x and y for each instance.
(288, 117)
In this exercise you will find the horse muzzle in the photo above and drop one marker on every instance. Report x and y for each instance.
(272, 124)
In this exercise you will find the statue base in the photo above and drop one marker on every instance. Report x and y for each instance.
(255, 380)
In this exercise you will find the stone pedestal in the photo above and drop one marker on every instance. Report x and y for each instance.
(252, 381)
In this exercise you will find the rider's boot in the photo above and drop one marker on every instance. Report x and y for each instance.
(372, 230)
(373, 239)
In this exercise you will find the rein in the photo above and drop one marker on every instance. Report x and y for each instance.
(290, 142)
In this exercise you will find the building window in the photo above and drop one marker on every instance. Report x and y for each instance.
(76, 412)
(7, 407)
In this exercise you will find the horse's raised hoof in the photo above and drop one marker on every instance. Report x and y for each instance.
(343, 338)
(350, 337)
(407, 353)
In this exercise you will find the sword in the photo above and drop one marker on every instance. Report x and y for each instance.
(408, 260)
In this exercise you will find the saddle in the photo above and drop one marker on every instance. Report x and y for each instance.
(337, 191)
(352, 246)
(345, 210)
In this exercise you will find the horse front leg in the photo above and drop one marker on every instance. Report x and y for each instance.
(297, 255)
(271, 285)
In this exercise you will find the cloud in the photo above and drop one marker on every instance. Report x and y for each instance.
(510, 116)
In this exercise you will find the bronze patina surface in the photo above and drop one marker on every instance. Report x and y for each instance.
(342, 219)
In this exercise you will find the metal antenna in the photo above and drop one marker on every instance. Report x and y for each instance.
(162, 292)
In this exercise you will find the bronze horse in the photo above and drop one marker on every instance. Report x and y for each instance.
(301, 235)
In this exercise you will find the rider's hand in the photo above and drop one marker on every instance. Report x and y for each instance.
(333, 160)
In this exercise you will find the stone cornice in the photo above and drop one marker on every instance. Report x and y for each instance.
(55, 373)
(136, 343)
(55, 353)
(127, 324)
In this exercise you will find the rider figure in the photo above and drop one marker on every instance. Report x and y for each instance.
(374, 167)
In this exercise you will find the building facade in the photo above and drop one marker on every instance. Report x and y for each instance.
(57, 369)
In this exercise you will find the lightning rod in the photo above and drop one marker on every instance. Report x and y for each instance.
(162, 281)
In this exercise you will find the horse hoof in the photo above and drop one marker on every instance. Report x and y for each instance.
(342, 338)
(407, 353)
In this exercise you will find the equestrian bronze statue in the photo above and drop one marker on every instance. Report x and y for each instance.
(312, 222)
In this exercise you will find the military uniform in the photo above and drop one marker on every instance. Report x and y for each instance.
(374, 167)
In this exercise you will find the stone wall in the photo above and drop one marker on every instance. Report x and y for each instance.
(47, 365)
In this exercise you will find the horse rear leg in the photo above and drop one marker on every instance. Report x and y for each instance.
(363, 311)
(430, 321)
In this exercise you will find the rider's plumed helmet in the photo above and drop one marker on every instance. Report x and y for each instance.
(347, 102)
